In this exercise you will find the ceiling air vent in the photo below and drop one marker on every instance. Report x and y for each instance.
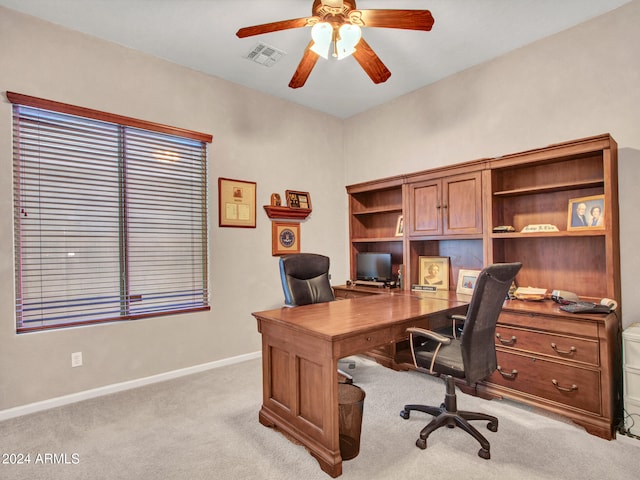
(265, 54)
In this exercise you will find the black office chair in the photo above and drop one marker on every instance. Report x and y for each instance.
(472, 357)
(305, 280)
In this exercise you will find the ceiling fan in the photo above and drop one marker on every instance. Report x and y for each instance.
(337, 23)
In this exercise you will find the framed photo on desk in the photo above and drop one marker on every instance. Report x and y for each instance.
(434, 271)
(467, 281)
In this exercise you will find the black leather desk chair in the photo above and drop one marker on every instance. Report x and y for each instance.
(472, 357)
(305, 280)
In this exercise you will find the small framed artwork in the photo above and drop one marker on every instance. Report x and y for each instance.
(586, 213)
(285, 238)
(434, 271)
(236, 203)
(298, 199)
(467, 281)
(400, 226)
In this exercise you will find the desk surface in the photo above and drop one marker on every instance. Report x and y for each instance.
(334, 320)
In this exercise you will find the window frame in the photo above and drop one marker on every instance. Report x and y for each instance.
(121, 121)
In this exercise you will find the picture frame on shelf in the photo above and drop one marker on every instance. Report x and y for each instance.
(236, 203)
(297, 199)
(285, 238)
(586, 213)
(467, 281)
(434, 271)
(400, 226)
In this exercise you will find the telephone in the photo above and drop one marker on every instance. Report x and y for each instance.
(570, 302)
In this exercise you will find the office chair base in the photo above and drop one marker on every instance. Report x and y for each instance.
(448, 415)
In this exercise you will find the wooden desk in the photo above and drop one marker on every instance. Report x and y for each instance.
(300, 350)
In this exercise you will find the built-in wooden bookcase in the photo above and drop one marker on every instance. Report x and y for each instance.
(374, 209)
(565, 363)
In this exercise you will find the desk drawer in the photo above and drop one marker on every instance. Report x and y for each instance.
(570, 385)
(574, 349)
(560, 324)
(362, 343)
(350, 294)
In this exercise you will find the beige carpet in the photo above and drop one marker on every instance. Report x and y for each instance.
(205, 426)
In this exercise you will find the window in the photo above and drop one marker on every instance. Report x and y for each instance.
(110, 216)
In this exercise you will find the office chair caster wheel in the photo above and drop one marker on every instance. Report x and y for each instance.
(421, 443)
(483, 453)
(405, 414)
(492, 426)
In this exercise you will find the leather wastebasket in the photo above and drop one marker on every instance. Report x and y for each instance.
(350, 408)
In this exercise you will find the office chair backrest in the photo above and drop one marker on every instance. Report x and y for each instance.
(305, 279)
(477, 340)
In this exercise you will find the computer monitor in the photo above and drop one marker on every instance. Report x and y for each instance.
(373, 266)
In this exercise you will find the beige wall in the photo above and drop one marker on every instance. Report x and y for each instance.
(256, 137)
(578, 83)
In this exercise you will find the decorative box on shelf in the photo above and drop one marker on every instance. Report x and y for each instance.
(287, 212)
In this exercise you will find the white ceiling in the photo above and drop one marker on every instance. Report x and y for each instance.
(200, 34)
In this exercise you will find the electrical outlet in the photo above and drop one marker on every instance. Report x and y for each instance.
(76, 359)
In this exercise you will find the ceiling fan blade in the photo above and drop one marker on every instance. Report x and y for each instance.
(404, 19)
(371, 63)
(309, 59)
(273, 27)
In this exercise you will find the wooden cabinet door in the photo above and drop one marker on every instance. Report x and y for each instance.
(462, 204)
(425, 208)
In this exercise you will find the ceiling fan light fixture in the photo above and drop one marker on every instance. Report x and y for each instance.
(348, 37)
(322, 35)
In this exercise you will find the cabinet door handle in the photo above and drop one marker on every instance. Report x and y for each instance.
(571, 351)
(511, 341)
(513, 374)
(564, 389)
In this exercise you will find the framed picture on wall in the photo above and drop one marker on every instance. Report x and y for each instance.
(285, 238)
(236, 203)
(434, 271)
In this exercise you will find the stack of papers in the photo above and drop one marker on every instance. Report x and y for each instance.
(530, 293)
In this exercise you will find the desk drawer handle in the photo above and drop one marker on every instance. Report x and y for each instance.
(564, 389)
(513, 374)
(511, 341)
(571, 351)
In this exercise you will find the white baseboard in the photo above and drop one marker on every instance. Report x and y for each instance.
(119, 387)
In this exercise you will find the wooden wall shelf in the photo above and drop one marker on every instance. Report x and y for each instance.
(286, 212)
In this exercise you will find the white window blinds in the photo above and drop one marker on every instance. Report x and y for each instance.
(110, 220)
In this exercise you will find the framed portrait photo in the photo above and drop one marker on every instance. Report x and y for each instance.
(285, 238)
(586, 213)
(434, 271)
(400, 226)
(467, 281)
(298, 199)
(236, 203)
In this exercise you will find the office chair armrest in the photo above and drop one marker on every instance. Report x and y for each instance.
(457, 319)
(421, 332)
